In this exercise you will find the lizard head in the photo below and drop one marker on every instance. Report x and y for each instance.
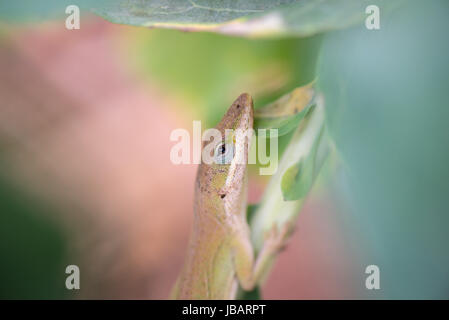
(223, 181)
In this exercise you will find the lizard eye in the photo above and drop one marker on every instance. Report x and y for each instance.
(224, 152)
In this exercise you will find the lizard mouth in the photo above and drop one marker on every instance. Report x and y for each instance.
(239, 115)
(244, 106)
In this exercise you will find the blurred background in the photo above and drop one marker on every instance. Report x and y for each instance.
(86, 178)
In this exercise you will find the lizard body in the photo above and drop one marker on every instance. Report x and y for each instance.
(220, 254)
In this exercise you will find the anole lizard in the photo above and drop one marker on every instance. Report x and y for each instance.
(220, 254)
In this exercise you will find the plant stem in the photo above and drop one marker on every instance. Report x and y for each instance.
(273, 210)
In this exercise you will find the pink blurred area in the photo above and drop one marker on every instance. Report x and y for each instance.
(83, 131)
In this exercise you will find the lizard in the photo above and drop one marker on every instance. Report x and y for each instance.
(220, 254)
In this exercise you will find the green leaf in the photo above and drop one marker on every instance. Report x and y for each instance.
(298, 179)
(285, 113)
(250, 211)
(284, 125)
(252, 18)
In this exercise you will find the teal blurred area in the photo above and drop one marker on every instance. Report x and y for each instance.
(30, 11)
(387, 94)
